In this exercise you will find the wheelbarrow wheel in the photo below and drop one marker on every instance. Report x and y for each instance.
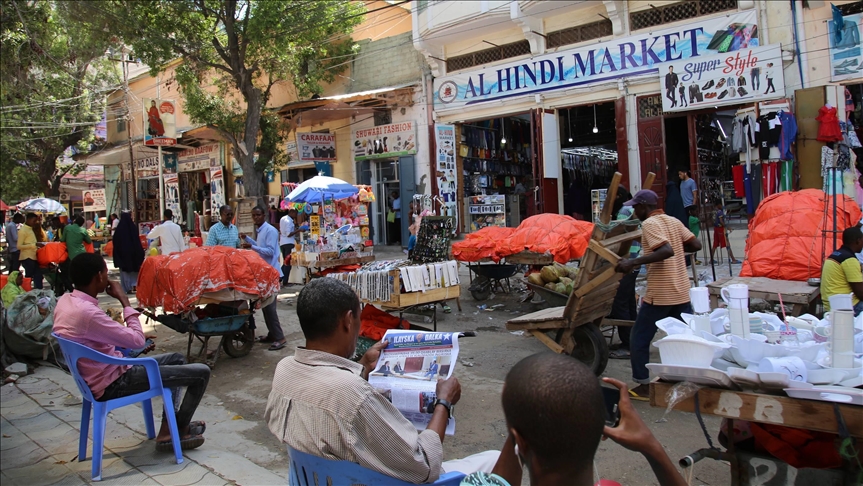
(480, 288)
(590, 347)
(240, 343)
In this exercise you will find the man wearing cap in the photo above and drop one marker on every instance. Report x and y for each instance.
(664, 241)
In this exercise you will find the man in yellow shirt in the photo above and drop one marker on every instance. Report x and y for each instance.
(27, 245)
(841, 273)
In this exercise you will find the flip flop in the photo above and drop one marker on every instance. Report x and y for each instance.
(635, 396)
(278, 346)
(265, 339)
(197, 427)
(189, 443)
(619, 354)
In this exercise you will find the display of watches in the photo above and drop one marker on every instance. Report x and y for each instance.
(449, 406)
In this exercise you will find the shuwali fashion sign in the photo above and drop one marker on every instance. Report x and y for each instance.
(317, 146)
(629, 56)
(159, 121)
(736, 77)
(384, 141)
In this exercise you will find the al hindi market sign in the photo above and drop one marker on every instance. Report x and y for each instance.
(606, 61)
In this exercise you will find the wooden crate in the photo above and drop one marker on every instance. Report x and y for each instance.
(399, 299)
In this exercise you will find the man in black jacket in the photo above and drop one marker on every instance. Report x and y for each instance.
(671, 86)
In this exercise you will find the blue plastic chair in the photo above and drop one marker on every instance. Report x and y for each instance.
(309, 470)
(73, 352)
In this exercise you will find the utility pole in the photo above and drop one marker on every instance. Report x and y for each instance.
(159, 158)
(129, 130)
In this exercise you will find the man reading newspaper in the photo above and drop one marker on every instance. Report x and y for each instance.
(322, 404)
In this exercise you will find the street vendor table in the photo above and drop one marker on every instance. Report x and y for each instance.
(318, 265)
(413, 302)
(800, 294)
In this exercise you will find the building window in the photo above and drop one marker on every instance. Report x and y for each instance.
(851, 8)
(383, 117)
(581, 33)
(667, 14)
(487, 56)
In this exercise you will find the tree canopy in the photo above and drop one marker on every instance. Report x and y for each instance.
(53, 77)
(243, 48)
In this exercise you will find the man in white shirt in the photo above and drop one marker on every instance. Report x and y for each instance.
(170, 235)
(287, 231)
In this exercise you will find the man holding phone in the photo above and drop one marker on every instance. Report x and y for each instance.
(539, 395)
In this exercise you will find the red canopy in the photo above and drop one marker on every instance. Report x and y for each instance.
(3, 206)
(179, 281)
(785, 237)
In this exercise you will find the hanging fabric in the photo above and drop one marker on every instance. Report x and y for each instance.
(786, 177)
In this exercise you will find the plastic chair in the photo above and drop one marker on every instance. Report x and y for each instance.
(74, 352)
(309, 470)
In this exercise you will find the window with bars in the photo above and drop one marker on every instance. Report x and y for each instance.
(851, 8)
(487, 56)
(580, 33)
(667, 14)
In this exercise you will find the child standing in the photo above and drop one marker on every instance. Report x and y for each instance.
(719, 234)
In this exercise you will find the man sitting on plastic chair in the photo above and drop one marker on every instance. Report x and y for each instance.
(322, 404)
(78, 318)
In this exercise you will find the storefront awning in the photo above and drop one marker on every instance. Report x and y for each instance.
(118, 153)
(338, 107)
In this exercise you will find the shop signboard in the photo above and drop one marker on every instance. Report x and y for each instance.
(199, 158)
(445, 169)
(385, 141)
(316, 146)
(846, 58)
(601, 62)
(160, 122)
(217, 187)
(293, 152)
(147, 168)
(172, 196)
(742, 76)
(486, 210)
(94, 200)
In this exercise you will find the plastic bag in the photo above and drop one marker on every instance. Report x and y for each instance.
(677, 394)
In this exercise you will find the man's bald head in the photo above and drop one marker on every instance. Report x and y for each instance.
(555, 404)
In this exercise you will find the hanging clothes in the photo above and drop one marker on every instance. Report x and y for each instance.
(737, 175)
(788, 135)
(786, 176)
(767, 132)
(829, 130)
(769, 178)
(747, 187)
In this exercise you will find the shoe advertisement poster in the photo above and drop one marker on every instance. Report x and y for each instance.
(846, 58)
(742, 76)
(385, 141)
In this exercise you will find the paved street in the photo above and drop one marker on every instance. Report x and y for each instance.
(41, 412)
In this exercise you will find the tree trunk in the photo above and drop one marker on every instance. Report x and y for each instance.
(251, 176)
(46, 176)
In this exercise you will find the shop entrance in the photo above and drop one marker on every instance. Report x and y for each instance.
(589, 155)
(385, 181)
(651, 143)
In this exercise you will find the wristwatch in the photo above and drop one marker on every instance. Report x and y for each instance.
(449, 406)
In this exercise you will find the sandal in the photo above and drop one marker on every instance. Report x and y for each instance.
(640, 394)
(265, 339)
(619, 353)
(277, 346)
(197, 427)
(189, 443)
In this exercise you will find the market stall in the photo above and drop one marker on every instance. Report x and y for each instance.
(336, 225)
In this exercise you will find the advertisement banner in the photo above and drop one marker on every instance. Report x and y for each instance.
(159, 121)
(738, 77)
(445, 170)
(172, 196)
(217, 187)
(846, 58)
(147, 168)
(605, 61)
(94, 200)
(316, 146)
(199, 158)
(385, 141)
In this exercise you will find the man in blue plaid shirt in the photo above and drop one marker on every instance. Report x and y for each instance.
(224, 233)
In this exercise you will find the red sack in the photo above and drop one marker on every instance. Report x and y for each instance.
(54, 252)
(563, 237)
(786, 239)
(798, 447)
(109, 248)
(374, 323)
(27, 285)
(89, 248)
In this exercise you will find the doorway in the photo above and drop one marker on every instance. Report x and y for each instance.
(385, 180)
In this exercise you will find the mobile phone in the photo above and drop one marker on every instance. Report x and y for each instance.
(137, 352)
(611, 397)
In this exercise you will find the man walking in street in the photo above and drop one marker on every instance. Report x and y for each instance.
(664, 243)
(266, 244)
(170, 235)
(224, 233)
(671, 82)
(12, 240)
(28, 243)
(287, 241)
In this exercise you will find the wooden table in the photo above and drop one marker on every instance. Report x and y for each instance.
(317, 266)
(765, 409)
(801, 295)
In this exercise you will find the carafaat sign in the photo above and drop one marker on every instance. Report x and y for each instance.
(625, 57)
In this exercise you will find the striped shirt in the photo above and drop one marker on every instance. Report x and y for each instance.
(321, 405)
(667, 281)
(221, 235)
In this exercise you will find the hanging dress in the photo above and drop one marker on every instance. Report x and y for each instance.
(829, 130)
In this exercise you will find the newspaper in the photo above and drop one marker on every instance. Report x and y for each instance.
(409, 368)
